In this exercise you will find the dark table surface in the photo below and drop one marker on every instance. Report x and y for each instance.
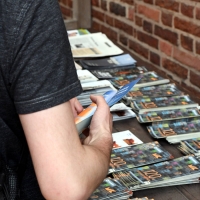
(181, 192)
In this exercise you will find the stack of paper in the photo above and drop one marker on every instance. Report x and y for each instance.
(86, 76)
(176, 130)
(147, 104)
(179, 171)
(114, 62)
(138, 155)
(148, 79)
(111, 189)
(171, 114)
(191, 146)
(93, 45)
(95, 88)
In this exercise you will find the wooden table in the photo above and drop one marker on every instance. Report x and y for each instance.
(181, 192)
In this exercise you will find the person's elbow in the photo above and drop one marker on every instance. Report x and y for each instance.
(71, 191)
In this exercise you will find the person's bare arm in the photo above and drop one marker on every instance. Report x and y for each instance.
(65, 168)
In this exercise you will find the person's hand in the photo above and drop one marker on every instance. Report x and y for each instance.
(76, 106)
(101, 123)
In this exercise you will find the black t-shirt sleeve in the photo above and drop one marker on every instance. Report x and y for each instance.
(42, 74)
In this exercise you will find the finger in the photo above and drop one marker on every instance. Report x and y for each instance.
(78, 106)
(99, 100)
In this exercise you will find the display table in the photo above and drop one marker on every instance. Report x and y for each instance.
(181, 192)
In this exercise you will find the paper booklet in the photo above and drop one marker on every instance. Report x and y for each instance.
(163, 115)
(111, 189)
(179, 171)
(120, 111)
(111, 73)
(93, 45)
(191, 146)
(86, 76)
(147, 104)
(124, 139)
(139, 155)
(148, 79)
(113, 62)
(153, 91)
(82, 121)
(176, 130)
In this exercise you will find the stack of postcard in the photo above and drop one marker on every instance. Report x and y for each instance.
(147, 104)
(152, 91)
(176, 130)
(179, 171)
(148, 79)
(171, 114)
(138, 155)
(111, 189)
(191, 146)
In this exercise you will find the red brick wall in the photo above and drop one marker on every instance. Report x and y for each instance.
(66, 8)
(165, 35)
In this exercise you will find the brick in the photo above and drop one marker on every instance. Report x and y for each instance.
(96, 27)
(148, 1)
(123, 26)
(147, 26)
(98, 15)
(131, 2)
(136, 47)
(187, 43)
(197, 13)
(95, 3)
(131, 13)
(104, 4)
(187, 26)
(169, 4)
(148, 12)
(111, 34)
(187, 59)
(117, 9)
(187, 10)
(138, 21)
(166, 34)
(109, 20)
(167, 18)
(198, 47)
(194, 79)
(70, 3)
(175, 68)
(155, 58)
(66, 11)
(166, 48)
(123, 39)
(148, 39)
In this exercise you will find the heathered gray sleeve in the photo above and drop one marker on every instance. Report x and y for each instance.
(42, 74)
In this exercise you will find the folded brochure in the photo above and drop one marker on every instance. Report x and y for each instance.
(82, 121)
